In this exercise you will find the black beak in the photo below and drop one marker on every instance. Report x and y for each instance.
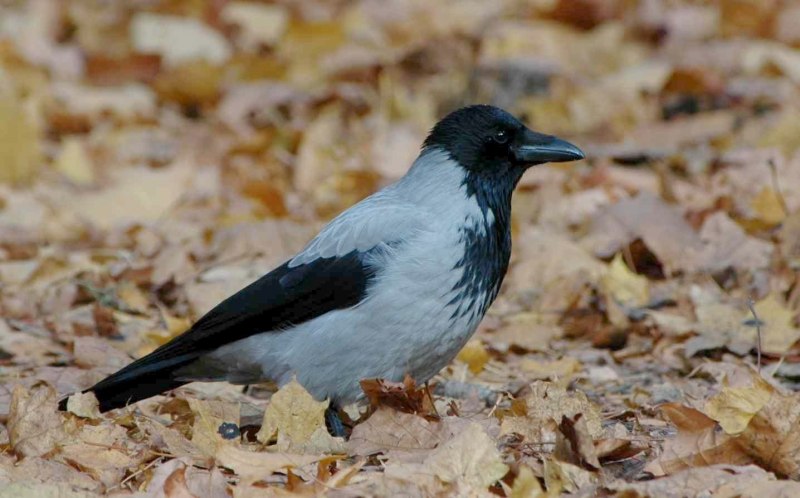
(538, 149)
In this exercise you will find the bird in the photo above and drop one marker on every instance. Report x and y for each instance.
(395, 285)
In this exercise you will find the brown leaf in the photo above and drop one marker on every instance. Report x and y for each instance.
(699, 481)
(699, 442)
(581, 444)
(35, 427)
(660, 226)
(403, 396)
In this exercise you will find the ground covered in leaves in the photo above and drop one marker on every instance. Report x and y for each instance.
(156, 156)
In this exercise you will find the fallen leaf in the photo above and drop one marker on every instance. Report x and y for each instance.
(526, 485)
(74, 162)
(728, 246)
(36, 470)
(768, 207)
(757, 487)
(474, 354)
(84, 405)
(698, 443)
(698, 481)
(259, 24)
(19, 149)
(255, 465)
(177, 39)
(403, 396)
(471, 457)
(555, 370)
(624, 286)
(659, 225)
(209, 416)
(581, 444)
(778, 331)
(298, 422)
(34, 424)
(104, 451)
(560, 477)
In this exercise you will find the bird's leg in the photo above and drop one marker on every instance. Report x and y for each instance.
(334, 422)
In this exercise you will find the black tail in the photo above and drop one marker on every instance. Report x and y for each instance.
(141, 379)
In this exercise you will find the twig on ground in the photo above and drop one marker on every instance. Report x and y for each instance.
(758, 333)
(773, 169)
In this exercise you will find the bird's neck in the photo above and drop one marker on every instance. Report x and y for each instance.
(487, 240)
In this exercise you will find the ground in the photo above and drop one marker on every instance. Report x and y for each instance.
(157, 156)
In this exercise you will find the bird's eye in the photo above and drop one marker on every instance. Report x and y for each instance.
(501, 137)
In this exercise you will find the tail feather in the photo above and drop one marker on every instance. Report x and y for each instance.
(141, 379)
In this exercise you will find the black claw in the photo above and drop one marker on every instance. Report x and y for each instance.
(334, 423)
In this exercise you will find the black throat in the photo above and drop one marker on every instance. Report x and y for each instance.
(487, 242)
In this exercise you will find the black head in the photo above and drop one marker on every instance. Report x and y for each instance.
(487, 140)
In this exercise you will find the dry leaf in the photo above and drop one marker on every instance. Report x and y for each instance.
(778, 331)
(404, 396)
(34, 424)
(259, 24)
(256, 465)
(474, 354)
(624, 286)
(74, 162)
(298, 422)
(471, 457)
(104, 451)
(526, 485)
(660, 226)
(555, 370)
(699, 481)
(768, 207)
(84, 405)
(177, 39)
(699, 442)
(560, 477)
(209, 416)
(581, 444)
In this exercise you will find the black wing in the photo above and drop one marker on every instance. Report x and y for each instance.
(286, 296)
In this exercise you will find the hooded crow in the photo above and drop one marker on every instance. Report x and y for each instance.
(394, 285)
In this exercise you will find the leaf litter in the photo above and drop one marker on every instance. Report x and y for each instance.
(154, 159)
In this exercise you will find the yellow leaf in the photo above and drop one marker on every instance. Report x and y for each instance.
(132, 296)
(75, 163)
(298, 420)
(474, 354)
(471, 458)
(562, 476)
(626, 287)
(734, 407)
(778, 332)
(208, 417)
(526, 485)
(565, 367)
(19, 150)
(768, 207)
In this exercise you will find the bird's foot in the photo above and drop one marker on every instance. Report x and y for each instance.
(334, 422)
